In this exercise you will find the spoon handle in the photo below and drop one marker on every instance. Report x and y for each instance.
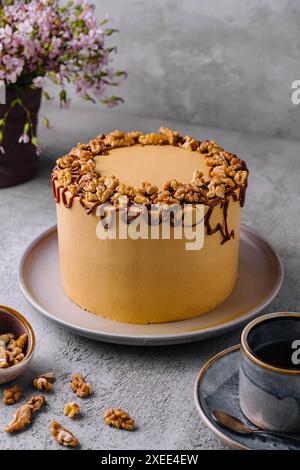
(282, 435)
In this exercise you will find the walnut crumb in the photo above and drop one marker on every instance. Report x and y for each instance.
(22, 341)
(139, 199)
(62, 435)
(119, 419)
(189, 143)
(12, 395)
(72, 410)
(80, 387)
(44, 382)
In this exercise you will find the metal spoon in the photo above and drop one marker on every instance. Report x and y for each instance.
(235, 425)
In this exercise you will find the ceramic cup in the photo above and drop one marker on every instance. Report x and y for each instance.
(270, 395)
(12, 321)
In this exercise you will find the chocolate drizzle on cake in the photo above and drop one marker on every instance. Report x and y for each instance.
(223, 229)
(75, 176)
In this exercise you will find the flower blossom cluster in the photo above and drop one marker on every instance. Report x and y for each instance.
(61, 41)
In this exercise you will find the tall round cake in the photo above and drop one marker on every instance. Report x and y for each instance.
(153, 279)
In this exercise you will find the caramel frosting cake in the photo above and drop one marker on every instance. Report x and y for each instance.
(151, 280)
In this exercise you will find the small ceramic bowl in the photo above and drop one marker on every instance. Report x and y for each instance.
(269, 394)
(12, 321)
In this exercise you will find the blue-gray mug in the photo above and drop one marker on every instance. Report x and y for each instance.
(269, 386)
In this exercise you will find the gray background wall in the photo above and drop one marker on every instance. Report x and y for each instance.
(223, 63)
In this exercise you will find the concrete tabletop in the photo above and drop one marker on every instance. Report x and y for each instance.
(155, 385)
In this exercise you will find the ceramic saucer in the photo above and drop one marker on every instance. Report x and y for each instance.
(217, 388)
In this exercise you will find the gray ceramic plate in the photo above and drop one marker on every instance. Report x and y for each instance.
(259, 280)
(217, 388)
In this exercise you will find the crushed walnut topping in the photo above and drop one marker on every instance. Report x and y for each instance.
(76, 172)
(72, 410)
(44, 382)
(62, 435)
(12, 349)
(80, 387)
(23, 414)
(118, 418)
(12, 395)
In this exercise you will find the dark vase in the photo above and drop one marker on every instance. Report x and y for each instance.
(19, 163)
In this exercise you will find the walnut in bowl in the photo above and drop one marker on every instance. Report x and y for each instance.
(17, 344)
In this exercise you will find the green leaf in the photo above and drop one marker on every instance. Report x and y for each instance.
(26, 128)
(46, 123)
(16, 102)
(47, 96)
(35, 141)
(112, 99)
(1, 137)
(63, 96)
(110, 31)
(87, 97)
(112, 49)
(121, 73)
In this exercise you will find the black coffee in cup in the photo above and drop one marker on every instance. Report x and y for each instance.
(277, 342)
(281, 354)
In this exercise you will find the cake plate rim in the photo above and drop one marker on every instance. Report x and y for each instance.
(157, 339)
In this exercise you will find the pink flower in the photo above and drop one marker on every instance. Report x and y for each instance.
(24, 138)
(39, 82)
(38, 150)
(25, 27)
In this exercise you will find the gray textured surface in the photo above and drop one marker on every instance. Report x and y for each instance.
(155, 385)
(222, 63)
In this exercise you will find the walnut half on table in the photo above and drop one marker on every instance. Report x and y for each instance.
(23, 414)
(119, 419)
(80, 387)
(12, 395)
(72, 410)
(44, 382)
(62, 435)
